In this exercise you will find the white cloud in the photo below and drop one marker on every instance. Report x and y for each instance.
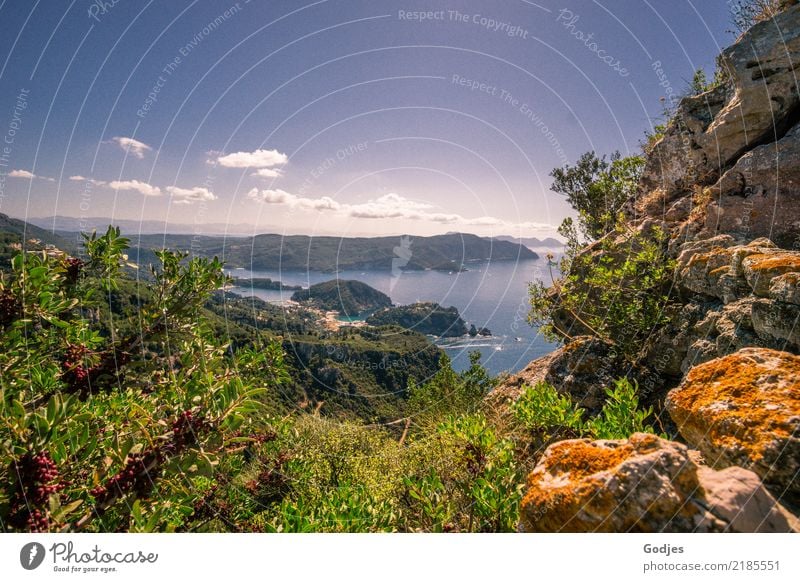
(388, 206)
(132, 146)
(267, 173)
(256, 159)
(80, 178)
(27, 175)
(21, 174)
(190, 195)
(272, 196)
(137, 186)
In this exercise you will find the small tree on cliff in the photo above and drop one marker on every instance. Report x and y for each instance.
(597, 188)
(617, 289)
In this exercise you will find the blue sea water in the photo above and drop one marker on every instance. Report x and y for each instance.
(492, 295)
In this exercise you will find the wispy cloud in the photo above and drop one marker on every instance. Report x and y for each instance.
(255, 159)
(27, 175)
(132, 146)
(135, 185)
(388, 206)
(267, 173)
(80, 178)
(190, 195)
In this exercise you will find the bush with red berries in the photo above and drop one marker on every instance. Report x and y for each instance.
(112, 424)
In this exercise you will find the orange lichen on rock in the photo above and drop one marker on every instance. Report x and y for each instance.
(783, 262)
(581, 459)
(642, 484)
(743, 409)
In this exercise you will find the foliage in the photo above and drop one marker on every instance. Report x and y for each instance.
(597, 188)
(621, 415)
(480, 492)
(618, 290)
(541, 408)
(448, 392)
(106, 431)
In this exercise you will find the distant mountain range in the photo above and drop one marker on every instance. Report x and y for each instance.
(72, 224)
(547, 243)
(271, 252)
(448, 252)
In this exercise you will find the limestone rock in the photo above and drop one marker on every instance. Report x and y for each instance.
(718, 268)
(760, 269)
(786, 288)
(744, 409)
(711, 131)
(759, 195)
(643, 484)
(777, 323)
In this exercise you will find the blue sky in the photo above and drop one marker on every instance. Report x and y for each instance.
(331, 117)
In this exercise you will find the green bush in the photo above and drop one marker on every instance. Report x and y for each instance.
(479, 492)
(449, 392)
(618, 291)
(106, 431)
(541, 408)
(621, 415)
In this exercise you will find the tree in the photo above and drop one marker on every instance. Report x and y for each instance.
(598, 188)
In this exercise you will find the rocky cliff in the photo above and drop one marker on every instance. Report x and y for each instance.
(724, 183)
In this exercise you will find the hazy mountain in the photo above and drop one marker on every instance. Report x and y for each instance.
(448, 252)
(546, 243)
(73, 224)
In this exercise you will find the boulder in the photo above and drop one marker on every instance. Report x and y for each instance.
(643, 484)
(719, 268)
(744, 409)
(761, 268)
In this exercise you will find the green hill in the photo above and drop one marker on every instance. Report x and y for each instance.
(350, 298)
(18, 232)
(427, 318)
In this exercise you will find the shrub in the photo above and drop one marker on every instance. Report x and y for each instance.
(480, 492)
(620, 416)
(618, 290)
(105, 431)
(449, 392)
(541, 408)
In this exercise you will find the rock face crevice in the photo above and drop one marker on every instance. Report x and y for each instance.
(724, 183)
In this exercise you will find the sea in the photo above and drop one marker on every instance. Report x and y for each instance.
(493, 295)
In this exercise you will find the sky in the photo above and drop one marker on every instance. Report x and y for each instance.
(344, 117)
